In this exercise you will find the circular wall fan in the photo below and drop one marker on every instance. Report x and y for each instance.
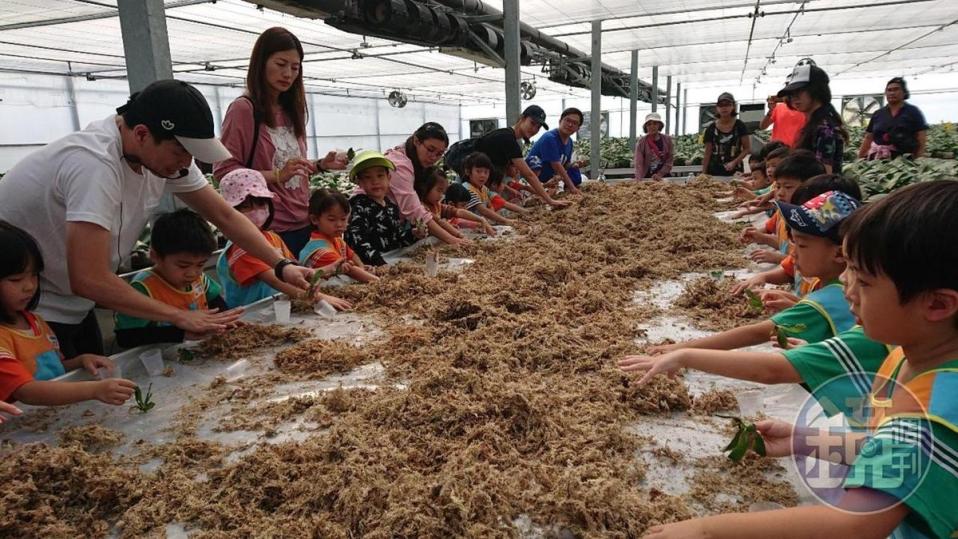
(397, 99)
(527, 89)
(858, 110)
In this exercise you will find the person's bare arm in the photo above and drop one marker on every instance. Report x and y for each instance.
(91, 276)
(866, 144)
(491, 215)
(435, 229)
(50, 393)
(534, 182)
(561, 172)
(739, 337)
(922, 137)
(707, 157)
(761, 367)
(242, 232)
(808, 522)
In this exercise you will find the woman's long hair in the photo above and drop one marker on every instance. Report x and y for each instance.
(292, 101)
(823, 94)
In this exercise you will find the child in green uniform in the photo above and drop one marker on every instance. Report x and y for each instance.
(821, 314)
(903, 474)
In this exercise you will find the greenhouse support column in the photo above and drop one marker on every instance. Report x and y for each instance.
(633, 98)
(678, 109)
(655, 88)
(145, 42)
(668, 103)
(510, 28)
(72, 96)
(379, 131)
(685, 110)
(312, 123)
(595, 118)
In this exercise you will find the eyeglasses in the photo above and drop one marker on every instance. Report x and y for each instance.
(434, 151)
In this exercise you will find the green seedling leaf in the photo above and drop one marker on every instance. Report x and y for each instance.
(754, 301)
(185, 355)
(717, 274)
(746, 437)
(144, 403)
(782, 333)
(350, 154)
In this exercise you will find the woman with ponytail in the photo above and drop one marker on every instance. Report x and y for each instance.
(824, 133)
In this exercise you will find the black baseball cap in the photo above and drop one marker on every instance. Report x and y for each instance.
(802, 76)
(180, 109)
(725, 96)
(536, 113)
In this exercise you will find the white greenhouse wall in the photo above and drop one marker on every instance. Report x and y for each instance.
(36, 109)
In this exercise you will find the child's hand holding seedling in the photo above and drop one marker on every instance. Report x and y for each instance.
(780, 336)
(755, 303)
(746, 438)
(766, 256)
(777, 437)
(777, 300)
(113, 391)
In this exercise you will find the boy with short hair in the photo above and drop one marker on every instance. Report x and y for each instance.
(375, 225)
(181, 243)
(814, 228)
(903, 477)
(477, 168)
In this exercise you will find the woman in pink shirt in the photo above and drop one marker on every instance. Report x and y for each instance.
(422, 150)
(265, 130)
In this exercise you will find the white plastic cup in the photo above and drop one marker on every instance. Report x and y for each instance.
(282, 308)
(432, 265)
(153, 361)
(104, 373)
(324, 309)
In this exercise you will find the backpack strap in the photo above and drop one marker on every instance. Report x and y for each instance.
(256, 122)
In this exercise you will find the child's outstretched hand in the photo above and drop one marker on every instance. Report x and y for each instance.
(748, 235)
(487, 228)
(777, 300)
(8, 408)
(753, 282)
(114, 391)
(777, 436)
(687, 529)
(93, 363)
(766, 256)
(652, 365)
(339, 303)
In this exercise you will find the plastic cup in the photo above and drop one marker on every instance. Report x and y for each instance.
(282, 308)
(432, 265)
(104, 373)
(153, 361)
(324, 309)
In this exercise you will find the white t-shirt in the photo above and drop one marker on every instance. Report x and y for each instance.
(82, 177)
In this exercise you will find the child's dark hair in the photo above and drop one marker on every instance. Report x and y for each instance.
(428, 181)
(778, 153)
(456, 193)
(800, 165)
(322, 200)
(824, 183)
(476, 160)
(182, 231)
(758, 167)
(20, 253)
(910, 236)
(771, 147)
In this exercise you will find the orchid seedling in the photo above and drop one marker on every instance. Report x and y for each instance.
(754, 301)
(747, 437)
(782, 333)
(144, 403)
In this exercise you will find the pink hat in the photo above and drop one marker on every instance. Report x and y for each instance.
(243, 182)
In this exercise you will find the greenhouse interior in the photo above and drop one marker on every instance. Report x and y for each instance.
(478, 268)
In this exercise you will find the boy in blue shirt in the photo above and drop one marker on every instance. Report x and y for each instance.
(903, 475)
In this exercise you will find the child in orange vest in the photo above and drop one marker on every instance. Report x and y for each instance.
(180, 246)
(327, 250)
(30, 355)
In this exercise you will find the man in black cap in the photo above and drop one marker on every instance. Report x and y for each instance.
(502, 147)
(86, 198)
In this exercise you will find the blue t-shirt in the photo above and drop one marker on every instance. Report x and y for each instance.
(900, 130)
(549, 149)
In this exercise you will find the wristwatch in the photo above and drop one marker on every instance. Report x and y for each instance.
(278, 268)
